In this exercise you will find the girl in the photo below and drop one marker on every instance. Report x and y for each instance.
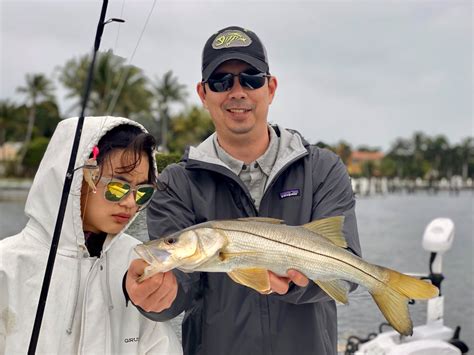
(86, 311)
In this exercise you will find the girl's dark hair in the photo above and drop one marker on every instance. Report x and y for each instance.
(134, 142)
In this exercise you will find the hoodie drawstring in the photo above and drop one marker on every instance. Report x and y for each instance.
(76, 297)
(107, 286)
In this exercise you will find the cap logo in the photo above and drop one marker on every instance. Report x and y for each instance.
(231, 38)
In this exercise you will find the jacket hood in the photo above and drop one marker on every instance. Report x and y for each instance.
(44, 197)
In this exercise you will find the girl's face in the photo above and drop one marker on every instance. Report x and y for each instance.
(101, 215)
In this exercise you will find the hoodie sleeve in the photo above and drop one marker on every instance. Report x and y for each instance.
(170, 212)
(332, 196)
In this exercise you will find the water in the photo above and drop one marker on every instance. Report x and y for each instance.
(12, 217)
(391, 229)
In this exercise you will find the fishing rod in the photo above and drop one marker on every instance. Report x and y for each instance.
(67, 184)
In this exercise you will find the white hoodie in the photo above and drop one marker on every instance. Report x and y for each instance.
(85, 310)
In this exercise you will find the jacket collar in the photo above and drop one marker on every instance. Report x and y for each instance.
(292, 146)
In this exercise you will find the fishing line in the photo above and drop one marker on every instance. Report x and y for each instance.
(108, 86)
(118, 29)
(124, 74)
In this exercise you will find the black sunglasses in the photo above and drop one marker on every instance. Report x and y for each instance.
(225, 81)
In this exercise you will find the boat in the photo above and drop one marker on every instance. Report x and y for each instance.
(433, 337)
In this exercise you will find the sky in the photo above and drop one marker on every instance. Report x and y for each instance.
(366, 72)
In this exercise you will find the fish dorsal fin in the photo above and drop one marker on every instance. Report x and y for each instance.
(261, 219)
(254, 278)
(336, 289)
(329, 228)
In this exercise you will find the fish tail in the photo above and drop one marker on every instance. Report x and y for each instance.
(392, 299)
(411, 287)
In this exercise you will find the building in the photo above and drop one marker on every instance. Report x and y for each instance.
(361, 159)
(8, 154)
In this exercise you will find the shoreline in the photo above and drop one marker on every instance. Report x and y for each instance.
(14, 189)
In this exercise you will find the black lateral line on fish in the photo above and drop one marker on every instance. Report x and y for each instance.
(303, 249)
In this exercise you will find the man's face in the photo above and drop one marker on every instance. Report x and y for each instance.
(239, 111)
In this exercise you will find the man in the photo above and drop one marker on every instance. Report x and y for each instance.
(245, 169)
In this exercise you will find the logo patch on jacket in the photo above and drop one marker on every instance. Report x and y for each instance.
(289, 193)
(131, 340)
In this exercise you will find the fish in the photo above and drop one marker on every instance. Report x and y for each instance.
(246, 248)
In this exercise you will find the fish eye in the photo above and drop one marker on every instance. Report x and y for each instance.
(170, 240)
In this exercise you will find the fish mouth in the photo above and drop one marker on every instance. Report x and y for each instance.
(151, 258)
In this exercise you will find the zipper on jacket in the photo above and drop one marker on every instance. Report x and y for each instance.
(266, 328)
(281, 171)
(209, 167)
(107, 281)
(231, 176)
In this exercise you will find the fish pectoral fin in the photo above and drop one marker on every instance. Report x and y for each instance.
(262, 219)
(254, 278)
(336, 289)
(329, 228)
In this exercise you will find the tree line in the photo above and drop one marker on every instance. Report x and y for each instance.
(159, 103)
(118, 89)
(419, 156)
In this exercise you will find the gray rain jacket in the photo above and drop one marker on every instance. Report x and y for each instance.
(223, 317)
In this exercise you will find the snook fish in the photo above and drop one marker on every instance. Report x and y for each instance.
(246, 248)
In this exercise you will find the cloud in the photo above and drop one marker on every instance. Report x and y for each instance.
(366, 72)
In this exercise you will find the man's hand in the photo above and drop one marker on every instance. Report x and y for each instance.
(154, 294)
(280, 284)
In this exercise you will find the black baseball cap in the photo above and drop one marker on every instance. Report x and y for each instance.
(233, 42)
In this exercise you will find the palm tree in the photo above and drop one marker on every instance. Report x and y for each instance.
(167, 91)
(401, 153)
(344, 150)
(37, 88)
(420, 166)
(190, 128)
(117, 88)
(465, 155)
(8, 111)
(437, 150)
